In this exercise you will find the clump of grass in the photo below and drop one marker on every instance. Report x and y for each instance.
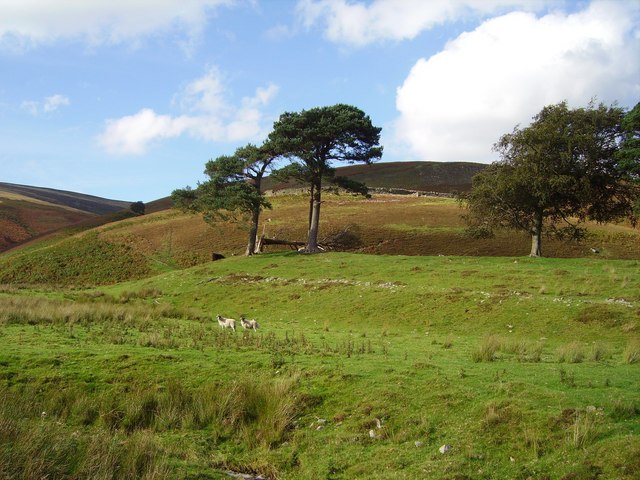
(533, 440)
(599, 352)
(448, 342)
(631, 353)
(39, 445)
(524, 351)
(486, 351)
(570, 353)
(144, 293)
(499, 413)
(584, 429)
(624, 409)
(567, 379)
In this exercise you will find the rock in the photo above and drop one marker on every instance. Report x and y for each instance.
(444, 448)
(378, 423)
(372, 434)
(418, 443)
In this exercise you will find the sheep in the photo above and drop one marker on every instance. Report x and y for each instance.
(227, 322)
(248, 324)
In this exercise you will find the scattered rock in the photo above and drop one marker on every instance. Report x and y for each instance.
(418, 443)
(378, 423)
(444, 448)
(372, 434)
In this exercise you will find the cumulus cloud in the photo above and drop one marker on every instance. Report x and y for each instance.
(26, 23)
(48, 105)
(457, 103)
(358, 23)
(210, 117)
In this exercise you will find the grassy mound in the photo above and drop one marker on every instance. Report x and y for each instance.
(81, 260)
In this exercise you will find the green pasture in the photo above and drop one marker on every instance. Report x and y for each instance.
(363, 368)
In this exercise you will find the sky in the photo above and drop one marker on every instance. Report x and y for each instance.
(128, 99)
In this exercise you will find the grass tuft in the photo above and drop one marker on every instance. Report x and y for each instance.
(486, 351)
(632, 352)
(570, 353)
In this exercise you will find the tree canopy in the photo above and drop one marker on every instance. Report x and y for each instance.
(553, 175)
(314, 139)
(233, 188)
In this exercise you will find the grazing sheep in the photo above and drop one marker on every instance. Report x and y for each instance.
(227, 322)
(248, 324)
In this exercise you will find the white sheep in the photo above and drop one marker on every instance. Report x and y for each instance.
(227, 322)
(248, 324)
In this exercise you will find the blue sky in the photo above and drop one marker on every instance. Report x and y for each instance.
(128, 99)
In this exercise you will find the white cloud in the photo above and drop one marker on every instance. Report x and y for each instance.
(456, 104)
(25, 23)
(48, 105)
(211, 118)
(133, 133)
(358, 23)
(52, 103)
(31, 106)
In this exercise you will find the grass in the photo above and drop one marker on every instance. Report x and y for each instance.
(137, 378)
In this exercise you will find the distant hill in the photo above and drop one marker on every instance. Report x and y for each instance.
(442, 177)
(78, 201)
(29, 212)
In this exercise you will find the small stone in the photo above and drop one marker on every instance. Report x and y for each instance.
(372, 434)
(319, 427)
(512, 459)
(418, 443)
(444, 448)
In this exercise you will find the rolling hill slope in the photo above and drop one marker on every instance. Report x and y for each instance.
(78, 201)
(29, 212)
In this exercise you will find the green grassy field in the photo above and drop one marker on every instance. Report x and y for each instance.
(364, 366)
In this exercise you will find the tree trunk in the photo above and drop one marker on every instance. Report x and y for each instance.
(536, 236)
(253, 232)
(312, 242)
(311, 199)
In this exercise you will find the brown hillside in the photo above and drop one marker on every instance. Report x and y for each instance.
(384, 224)
(78, 201)
(22, 219)
(28, 212)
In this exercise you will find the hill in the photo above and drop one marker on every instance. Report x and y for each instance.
(384, 225)
(77, 201)
(442, 177)
(30, 212)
